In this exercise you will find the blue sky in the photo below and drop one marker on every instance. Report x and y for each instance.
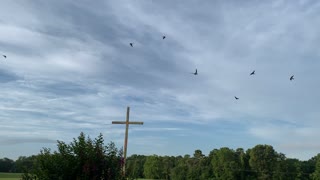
(69, 68)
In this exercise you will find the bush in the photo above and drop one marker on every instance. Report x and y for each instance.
(81, 159)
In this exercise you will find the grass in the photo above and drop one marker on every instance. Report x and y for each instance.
(10, 176)
(17, 176)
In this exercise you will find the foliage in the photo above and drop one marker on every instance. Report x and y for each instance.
(82, 159)
(153, 167)
(24, 163)
(225, 163)
(6, 165)
(90, 159)
(316, 173)
(262, 160)
(134, 166)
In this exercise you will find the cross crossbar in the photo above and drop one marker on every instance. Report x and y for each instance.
(124, 122)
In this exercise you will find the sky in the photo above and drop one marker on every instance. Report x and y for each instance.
(70, 69)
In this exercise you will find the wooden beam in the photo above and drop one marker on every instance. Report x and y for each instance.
(123, 122)
(127, 122)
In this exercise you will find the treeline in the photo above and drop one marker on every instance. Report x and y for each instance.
(85, 158)
(259, 162)
(18, 166)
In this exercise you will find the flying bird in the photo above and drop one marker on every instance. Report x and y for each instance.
(4, 56)
(252, 73)
(292, 78)
(131, 44)
(163, 37)
(236, 97)
(195, 73)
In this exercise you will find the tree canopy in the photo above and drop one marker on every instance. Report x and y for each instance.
(85, 158)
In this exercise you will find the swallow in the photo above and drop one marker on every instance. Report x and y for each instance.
(131, 44)
(236, 97)
(252, 73)
(163, 37)
(4, 56)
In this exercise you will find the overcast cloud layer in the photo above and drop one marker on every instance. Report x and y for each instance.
(69, 68)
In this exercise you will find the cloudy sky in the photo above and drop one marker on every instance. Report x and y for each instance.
(70, 69)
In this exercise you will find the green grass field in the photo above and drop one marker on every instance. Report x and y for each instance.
(10, 176)
(17, 176)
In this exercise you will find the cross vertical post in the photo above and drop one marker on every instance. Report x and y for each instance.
(127, 122)
(126, 139)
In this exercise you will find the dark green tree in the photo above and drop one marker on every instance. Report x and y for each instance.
(225, 163)
(167, 164)
(6, 165)
(24, 163)
(307, 168)
(316, 173)
(82, 159)
(263, 159)
(153, 167)
(180, 171)
(135, 166)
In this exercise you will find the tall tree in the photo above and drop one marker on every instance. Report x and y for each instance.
(135, 166)
(167, 164)
(180, 171)
(82, 159)
(225, 163)
(6, 165)
(262, 160)
(24, 163)
(153, 167)
(316, 173)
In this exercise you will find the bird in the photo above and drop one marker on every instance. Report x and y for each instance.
(195, 73)
(4, 56)
(131, 44)
(236, 97)
(252, 72)
(292, 78)
(163, 37)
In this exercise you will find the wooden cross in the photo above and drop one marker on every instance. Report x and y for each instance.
(126, 137)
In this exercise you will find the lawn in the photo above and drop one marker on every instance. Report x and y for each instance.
(17, 176)
(10, 176)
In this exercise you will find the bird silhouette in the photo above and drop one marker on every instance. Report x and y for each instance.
(163, 37)
(292, 78)
(252, 73)
(131, 44)
(195, 73)
(236, 97)
(4, 56)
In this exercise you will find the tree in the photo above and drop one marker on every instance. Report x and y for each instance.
(167, 164)
(134, 166)
(244, 171)
(263, 161)
(307, 168)
(225, 163)
(180, 171)
(205, 168)
(199, 166)
(316, 173)
(153, 167)
(6, 165)
(293, 169)
(24, 163)
(82, 159)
